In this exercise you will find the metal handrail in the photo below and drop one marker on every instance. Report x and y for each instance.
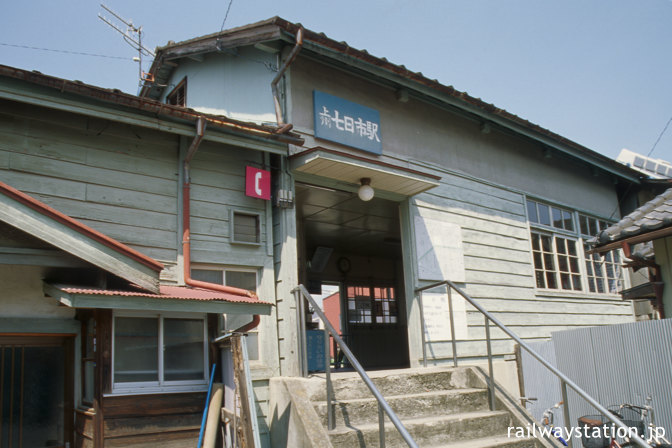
(383, 406)
(564, 380)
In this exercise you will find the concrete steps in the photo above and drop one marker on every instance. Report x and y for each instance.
(439, 408)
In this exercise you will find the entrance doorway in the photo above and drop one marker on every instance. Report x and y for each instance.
(36, 390)
(357, 245)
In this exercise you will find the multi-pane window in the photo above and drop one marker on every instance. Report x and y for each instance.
(602, 270)
(158, 351)
(556, 262)
(367, 308)
(558, 248)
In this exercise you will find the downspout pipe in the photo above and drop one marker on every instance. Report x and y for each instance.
(186, 231)
(283, 68)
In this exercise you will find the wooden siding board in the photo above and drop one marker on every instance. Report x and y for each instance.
(497, 253)
(479, 222)
(433, 200)
(136, 200)
(225, 196)
(111, 214)
(536, 306)
(497, 265)
(35, 184)
(93, 175)
(135, 236)
(228, 254)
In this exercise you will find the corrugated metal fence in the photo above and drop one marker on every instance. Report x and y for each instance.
(615, 364)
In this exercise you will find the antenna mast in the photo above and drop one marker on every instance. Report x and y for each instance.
(133, 37)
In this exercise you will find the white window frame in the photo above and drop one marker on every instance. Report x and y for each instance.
(144, 387)
(577, 235)
(254, 334)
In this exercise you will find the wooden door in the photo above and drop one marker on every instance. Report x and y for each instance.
(375, 333)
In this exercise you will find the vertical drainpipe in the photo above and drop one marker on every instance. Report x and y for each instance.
(283, 68)
(186, 225)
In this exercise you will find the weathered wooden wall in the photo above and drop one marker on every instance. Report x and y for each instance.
(499, 271)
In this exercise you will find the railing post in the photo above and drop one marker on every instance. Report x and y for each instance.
(381, 425)
(491, 382)
(424, 329)
(301, 336)
(449, 291)
(565, 411)
(327, 372)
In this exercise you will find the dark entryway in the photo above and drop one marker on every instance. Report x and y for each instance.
(36, 391)
(357, 245)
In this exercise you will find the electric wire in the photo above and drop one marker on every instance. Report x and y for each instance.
(79, 53)
(659, 137)
(226, 16)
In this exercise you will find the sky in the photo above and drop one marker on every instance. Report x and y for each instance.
(595, 71)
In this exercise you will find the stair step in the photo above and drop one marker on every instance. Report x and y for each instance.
(426, 431)
(494, 442)
(391, 384)
(425, 404)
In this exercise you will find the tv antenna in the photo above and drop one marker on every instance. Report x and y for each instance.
(133, 37)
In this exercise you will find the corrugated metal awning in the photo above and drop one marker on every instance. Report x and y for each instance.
(170, 298)
(350, 169)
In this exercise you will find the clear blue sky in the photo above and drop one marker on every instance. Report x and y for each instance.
(595, 71)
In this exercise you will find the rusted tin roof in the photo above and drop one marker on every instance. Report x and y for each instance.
(167, 293)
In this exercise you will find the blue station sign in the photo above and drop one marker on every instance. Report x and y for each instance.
(342, 121)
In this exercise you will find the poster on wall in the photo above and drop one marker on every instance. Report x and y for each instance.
(439, 250)
(351, 124)
(437, 316)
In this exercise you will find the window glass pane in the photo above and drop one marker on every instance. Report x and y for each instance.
(576, 282)
(550, 280)
(207, 275)
(136, 342)
(567, 220)
(532, 211)
(242, 279)
(546, 243)
(557, 217)
(583, 220)
(544, 216)
(183, 355)
(593, 226)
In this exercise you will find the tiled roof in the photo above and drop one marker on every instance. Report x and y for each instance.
(654, 215)
(167, 292)
(266, 30)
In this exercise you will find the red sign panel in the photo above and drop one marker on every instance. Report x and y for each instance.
(257, 183)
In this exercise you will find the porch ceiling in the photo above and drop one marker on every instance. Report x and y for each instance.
(349, 169)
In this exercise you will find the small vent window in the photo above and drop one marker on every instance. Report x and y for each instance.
(246, 228)
(178, 97)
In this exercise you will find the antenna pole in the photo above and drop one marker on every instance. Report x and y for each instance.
(132, 36)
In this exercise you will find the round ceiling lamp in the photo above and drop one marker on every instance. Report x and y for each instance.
(365, 191)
